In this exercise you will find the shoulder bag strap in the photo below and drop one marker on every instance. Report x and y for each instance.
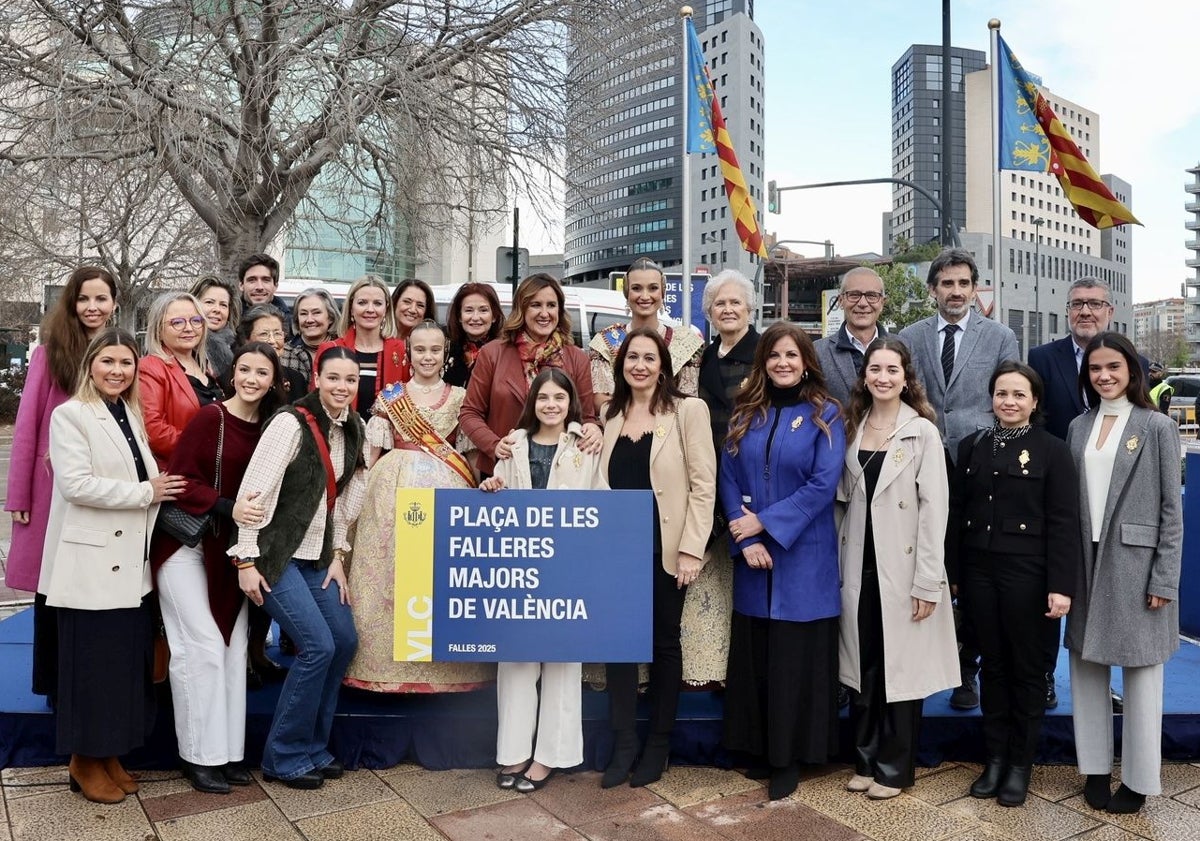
(323, 449)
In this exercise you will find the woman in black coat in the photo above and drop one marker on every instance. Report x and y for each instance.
(1014, 547)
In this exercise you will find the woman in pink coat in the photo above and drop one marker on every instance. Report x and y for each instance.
(84, 308)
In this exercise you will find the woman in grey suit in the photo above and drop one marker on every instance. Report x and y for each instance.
(1126, 611)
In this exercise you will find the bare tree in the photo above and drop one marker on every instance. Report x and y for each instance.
(1169, 347)
(244, 103)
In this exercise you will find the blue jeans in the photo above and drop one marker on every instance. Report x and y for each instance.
(323, 630)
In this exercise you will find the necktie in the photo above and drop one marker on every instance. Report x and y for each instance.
(948, 351)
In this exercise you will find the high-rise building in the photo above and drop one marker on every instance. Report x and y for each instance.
(1150, 317)
(1044, 244)
(626, 154)
(920, 139)
(1192, 284)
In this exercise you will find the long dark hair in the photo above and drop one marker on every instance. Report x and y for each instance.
(529, 421)
(529, 287)
(454, 317)
(276, 396)
(913, 394)
(666, 392)
(430, 304)
(752, 399)
(62, 333)
(1136, 391)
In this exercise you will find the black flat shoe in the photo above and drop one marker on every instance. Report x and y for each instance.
(1125, 801)
(333, 771)
(1097, 791)
(988, 783)
(205, 778)
(526, 785)
(236, 775)
(783, 782)
(307, 781)
(1015, 786)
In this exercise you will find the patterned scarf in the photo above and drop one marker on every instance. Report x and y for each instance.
(537, 355)
(1006, 433)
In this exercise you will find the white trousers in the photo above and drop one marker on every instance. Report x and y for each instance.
(208, 678)
(1141, 733)
(551, 731)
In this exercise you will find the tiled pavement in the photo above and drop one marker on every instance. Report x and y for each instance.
(696, 804)
(407, 803)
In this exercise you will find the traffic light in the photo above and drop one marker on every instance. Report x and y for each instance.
(772, 198)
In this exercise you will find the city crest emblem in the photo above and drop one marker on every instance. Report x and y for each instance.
(415, 515)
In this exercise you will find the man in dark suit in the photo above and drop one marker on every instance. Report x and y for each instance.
(1089, 313)
(955, 353)
(861, 299)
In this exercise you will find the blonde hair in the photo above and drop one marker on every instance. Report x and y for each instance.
(85, 389)
(388, 328)
(156, 319)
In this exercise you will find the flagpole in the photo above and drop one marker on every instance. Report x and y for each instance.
(997, 239)
(685, 270)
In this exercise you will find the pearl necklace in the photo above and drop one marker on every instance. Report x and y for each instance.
(426, 389)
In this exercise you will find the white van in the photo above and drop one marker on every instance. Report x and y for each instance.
(591, 310)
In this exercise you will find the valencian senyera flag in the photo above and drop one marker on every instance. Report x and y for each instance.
(1033, 138)
(707, 134)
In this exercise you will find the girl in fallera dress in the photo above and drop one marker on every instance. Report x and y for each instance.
(411, 439)
(540, 732)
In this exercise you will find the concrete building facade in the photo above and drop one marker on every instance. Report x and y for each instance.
(1192, 284)
(1044, 245)
(627, 150)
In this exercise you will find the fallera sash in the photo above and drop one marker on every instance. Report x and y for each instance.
(406, 416)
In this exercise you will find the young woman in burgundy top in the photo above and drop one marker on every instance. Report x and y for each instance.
(203, 610)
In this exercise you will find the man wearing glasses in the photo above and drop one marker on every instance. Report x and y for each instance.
(1089, 313)
(861, 298)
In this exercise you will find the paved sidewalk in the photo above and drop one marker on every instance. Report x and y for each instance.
(697, 804)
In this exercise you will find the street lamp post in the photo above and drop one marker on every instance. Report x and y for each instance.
(1038, 221)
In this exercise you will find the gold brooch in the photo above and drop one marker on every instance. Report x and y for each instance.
(898, 457)
(797, 423)
(1023, 458)
(577, 459)
(1132, 444)
(659, 431)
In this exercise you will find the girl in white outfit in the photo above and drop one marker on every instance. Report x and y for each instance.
(536, 738)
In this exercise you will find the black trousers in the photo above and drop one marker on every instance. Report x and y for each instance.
(1007, 597)
(666, 669)
(885, 735)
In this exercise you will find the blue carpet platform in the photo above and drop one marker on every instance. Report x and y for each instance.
(458, 730)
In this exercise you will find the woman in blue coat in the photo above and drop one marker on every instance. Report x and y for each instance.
(779, 474)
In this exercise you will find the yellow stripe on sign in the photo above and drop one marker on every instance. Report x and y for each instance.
(412, 637)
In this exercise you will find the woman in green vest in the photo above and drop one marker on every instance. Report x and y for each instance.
(290, 561)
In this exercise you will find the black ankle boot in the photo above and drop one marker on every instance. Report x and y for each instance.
(625, 751)
(653, 762)
(1096, 790)
(989, 781)
(784, 781)
(1015, 787)
(1125, 801)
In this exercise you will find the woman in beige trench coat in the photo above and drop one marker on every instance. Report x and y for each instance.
(896, 645)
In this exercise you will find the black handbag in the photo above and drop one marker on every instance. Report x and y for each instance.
(187, 528)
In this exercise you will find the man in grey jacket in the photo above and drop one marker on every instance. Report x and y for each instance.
(955, 353)
(861, 298)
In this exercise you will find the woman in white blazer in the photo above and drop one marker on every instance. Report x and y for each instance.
(95, 568)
